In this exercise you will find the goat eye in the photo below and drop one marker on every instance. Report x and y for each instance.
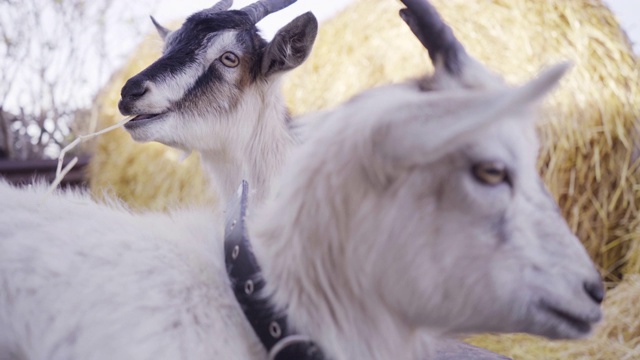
(230, 59)
(490, 173)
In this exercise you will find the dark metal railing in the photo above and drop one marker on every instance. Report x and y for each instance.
(22, 172)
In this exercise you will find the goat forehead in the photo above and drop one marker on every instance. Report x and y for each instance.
(513, 141)
(177, 59)
(198, 28)
(206, 22)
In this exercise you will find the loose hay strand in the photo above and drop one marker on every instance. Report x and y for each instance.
(61, 173)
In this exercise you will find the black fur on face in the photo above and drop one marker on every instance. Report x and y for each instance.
(210, 62)
(212, 84)
(185, 46)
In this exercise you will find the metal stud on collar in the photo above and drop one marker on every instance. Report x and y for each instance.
(235, 252)
(248, 287)
(274, 329)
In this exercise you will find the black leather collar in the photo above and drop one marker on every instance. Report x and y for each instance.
(270, 324)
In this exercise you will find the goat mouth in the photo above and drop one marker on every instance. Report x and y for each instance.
(579, 323)
(142, 119)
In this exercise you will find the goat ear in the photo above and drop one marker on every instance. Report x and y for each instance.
(533, 91)
(427, 126)
(162, 31)
(291, 45)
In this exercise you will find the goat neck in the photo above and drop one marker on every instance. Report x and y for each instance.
(324, 305)
(252, 145)
(308, 272)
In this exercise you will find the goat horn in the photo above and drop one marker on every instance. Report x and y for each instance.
(258, 10)
(163, 31)
(222, 5)
(436, 36)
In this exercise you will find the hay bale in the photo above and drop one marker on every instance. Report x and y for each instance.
(589, 130)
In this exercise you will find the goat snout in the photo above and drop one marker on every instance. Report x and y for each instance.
(595, 290)
(132, 91)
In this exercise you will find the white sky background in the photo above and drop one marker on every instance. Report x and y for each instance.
(628, 14)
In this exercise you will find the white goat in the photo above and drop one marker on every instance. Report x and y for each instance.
(237, 143)
(216, 89)
(406, 213)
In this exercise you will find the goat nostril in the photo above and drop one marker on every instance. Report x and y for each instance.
(134, 90)
(595, 289)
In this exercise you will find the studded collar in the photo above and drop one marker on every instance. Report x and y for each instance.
(269, 323)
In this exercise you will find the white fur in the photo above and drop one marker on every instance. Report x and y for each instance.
(85, 281)
(380, 235)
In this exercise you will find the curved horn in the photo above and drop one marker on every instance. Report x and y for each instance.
(436, 36)
(258, 10)
(222, 5)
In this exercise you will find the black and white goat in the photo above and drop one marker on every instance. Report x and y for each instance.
(216, 90)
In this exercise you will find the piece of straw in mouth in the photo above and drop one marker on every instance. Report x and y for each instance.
(60, 172)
